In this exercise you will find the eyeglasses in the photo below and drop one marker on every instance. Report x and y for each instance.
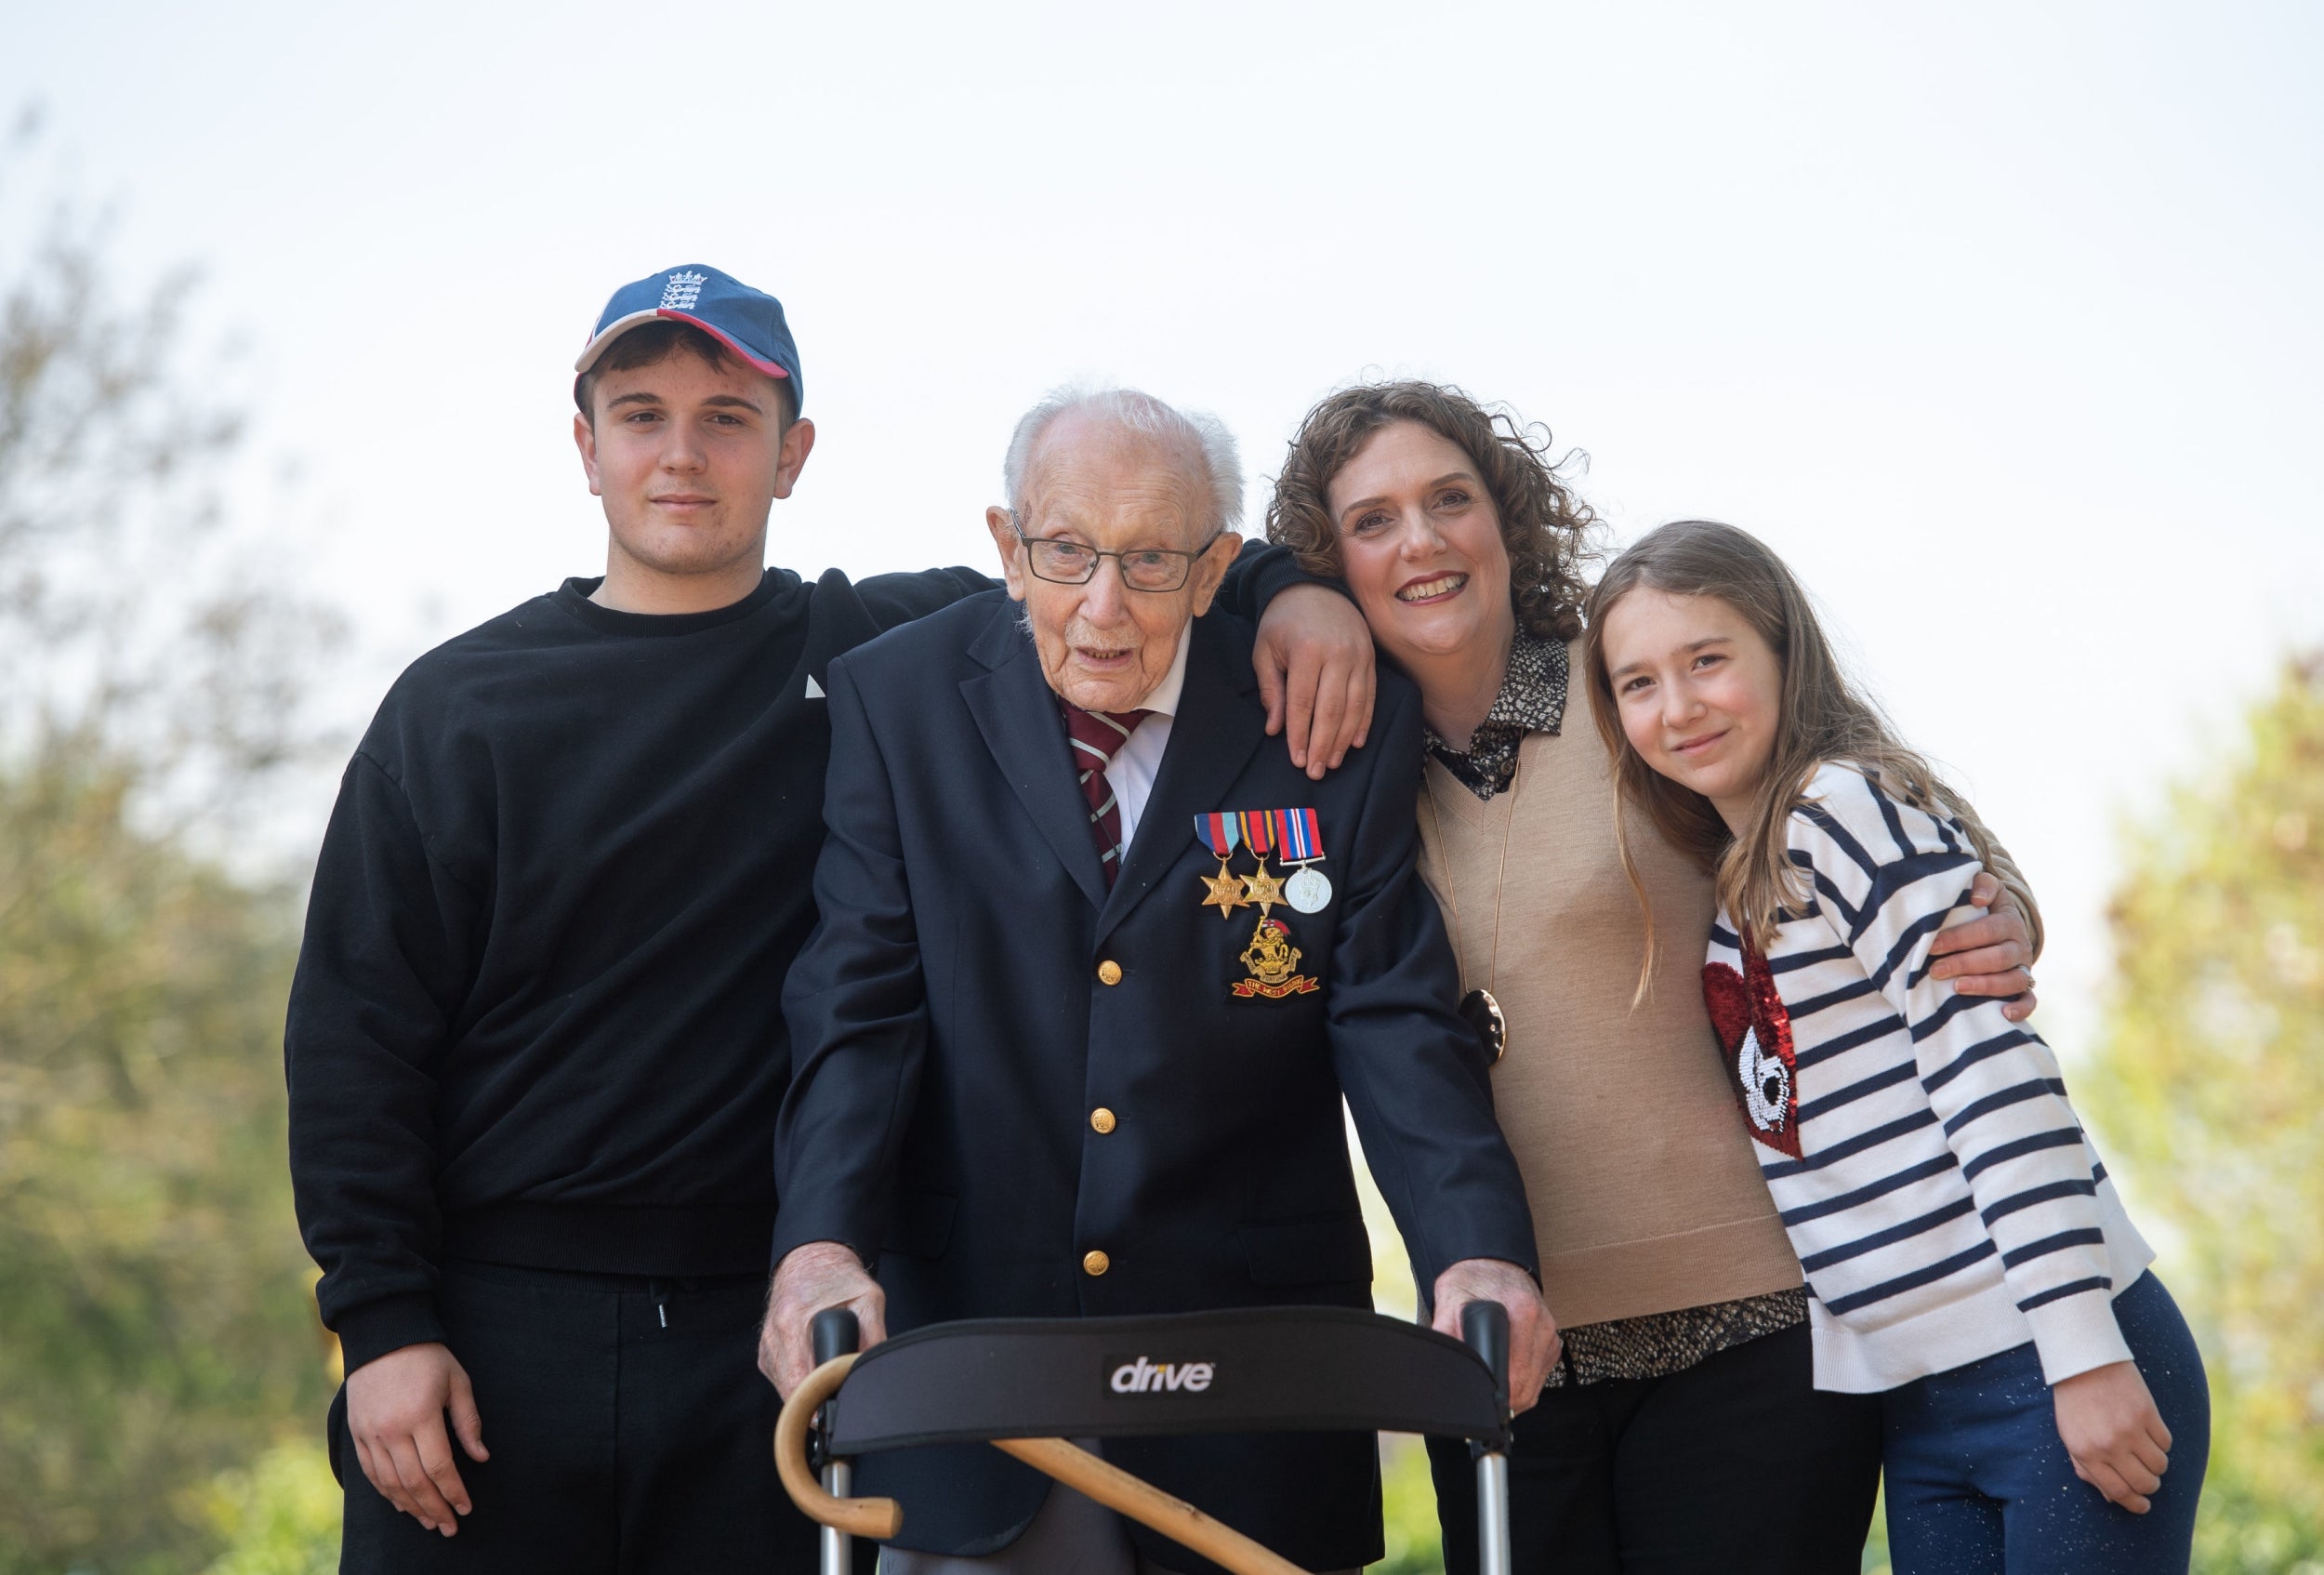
(1069, 562)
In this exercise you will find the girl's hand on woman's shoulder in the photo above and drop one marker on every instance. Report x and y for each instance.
(2113, 1433)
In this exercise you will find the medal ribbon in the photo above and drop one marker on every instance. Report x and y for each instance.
(1219, 833)
(1259, 831)
(1297, 835)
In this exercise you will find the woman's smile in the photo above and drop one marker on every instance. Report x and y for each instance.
(1433, 589)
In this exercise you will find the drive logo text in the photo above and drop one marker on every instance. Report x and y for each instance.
(1145, 1377)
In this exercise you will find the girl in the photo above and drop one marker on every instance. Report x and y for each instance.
(1686, 1365)
(1966, 1254)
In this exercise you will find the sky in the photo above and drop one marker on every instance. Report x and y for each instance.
(1999, 321)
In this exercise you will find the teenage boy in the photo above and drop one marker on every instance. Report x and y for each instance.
(535, 1044)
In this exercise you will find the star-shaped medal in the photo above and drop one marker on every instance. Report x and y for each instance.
(1264, 889)
(1226, 892)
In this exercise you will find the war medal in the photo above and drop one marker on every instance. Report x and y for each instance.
(1219, 833)
(1259, 835)
(1271, 959)
(1302, 844)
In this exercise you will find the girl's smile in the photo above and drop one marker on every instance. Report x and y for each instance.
(1700, 694)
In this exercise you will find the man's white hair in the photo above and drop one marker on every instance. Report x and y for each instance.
(1201, 434)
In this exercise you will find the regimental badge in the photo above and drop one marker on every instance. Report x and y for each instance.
(1273, 962)
(1755, 1047)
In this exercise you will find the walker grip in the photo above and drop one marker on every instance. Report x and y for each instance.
(1485, 1329)
(836, 1333)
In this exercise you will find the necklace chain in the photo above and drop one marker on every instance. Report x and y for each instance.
(1501, 883)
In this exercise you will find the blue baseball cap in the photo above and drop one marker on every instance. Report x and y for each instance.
(748, 322)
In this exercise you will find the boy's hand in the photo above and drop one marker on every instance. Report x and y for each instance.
(395, 1410)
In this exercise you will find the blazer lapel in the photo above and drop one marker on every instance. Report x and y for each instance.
(1016, 712)
(1218, 725)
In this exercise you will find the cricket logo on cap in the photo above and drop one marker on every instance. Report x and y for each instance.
(682, 290)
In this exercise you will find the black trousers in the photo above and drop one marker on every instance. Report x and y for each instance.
(1738, 1464)
(630, 1428)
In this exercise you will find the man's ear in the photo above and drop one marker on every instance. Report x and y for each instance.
(585, 439)
(1002, 524)
(799, 442)
(1211, 567)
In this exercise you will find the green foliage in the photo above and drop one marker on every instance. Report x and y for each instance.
(281, 1516)
(2208, 1093)
(155, 1323)
(1408, 1501)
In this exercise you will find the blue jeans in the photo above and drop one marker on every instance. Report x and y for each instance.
(1978, 1479)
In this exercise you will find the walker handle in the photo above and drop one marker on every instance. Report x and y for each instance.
(1485, 1329)
(836, 1333)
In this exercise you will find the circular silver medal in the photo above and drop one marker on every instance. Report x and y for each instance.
(1308, 890)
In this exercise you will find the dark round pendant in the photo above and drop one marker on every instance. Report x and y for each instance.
(1482, 1013)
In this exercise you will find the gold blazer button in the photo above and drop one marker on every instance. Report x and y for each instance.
(1109, 971)
(1101, 1120)
(1095, 1264)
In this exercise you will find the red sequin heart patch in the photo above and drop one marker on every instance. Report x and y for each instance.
(1755, 1047)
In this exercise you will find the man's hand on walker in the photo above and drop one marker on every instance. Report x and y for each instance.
(395, 1410)
(1992, 956)
(1533, 1340)
(810, 1278)
(1313, 659)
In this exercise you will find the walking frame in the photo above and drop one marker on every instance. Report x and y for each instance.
(1027, 1387)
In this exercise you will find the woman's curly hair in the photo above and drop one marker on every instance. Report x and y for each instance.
(1544, 525)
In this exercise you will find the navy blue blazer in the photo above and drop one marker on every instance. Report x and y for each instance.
(1001, 1068)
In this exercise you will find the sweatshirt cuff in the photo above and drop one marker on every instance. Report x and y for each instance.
(1274, 570)
(370, 1330)
(2075, 1334)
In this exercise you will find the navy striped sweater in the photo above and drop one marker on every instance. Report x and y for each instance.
(1943, 1198)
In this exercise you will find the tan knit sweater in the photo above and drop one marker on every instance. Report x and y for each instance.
(1645, 1194)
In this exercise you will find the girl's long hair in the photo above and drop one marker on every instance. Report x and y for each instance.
(1824, 717)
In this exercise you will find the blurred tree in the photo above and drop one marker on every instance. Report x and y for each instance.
(2210, 1089)
(155, 1328)
(132, 625)
(282, 1515)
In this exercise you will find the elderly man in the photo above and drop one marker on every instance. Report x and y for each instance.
(1093, 973)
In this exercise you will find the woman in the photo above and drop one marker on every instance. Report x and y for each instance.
(1972, 1260)
(1682, 1430)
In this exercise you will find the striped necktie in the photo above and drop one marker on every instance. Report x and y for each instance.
(1096, 736)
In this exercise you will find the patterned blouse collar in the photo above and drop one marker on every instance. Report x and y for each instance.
(1532, 699)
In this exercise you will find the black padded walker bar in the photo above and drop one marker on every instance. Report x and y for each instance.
(1027, 1387)
(1259, 1370)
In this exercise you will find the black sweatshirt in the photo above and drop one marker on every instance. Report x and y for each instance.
(538, 1017)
